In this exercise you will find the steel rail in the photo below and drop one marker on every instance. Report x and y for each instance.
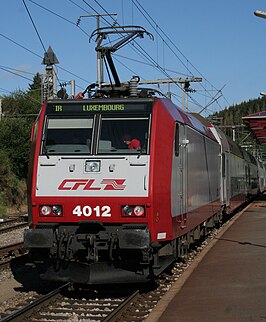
(21, 313)
(12, 247)
(10, 228)
(116, 312)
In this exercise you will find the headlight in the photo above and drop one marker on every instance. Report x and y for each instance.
(51, 211)
(139, 211)
(133, 211)
(57, 210)
(45, 210)
(92, 166)
(127, 210)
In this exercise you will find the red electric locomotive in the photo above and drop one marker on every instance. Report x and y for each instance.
(102, 211)
(120, 184)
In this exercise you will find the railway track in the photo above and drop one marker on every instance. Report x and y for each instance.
(56, 306)
(11, 232)
(7, 253)
(82, 307)
(12, 225)
(16, 247)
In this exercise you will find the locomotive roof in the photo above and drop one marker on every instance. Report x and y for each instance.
(187, 118)
(126, 105)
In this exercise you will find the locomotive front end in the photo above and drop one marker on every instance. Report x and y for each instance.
(89, 192)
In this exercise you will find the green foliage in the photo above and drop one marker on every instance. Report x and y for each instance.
(14, 140)
(24, 103)
(12, 190)
(20, 110)
(233, 115)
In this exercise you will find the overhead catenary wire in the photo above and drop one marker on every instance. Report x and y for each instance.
(9, 71)
(16, 43)
(141, 52)
(156, 27)
(59, 16)
(30, 51)
(16, 70)
(36, 30)
(145, 14)
(150, 59)
(41, 57)
(34, 25)
(114, 24)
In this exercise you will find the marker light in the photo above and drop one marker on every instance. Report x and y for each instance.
(133, 211)
(51, 211)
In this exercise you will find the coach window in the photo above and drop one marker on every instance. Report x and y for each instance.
(68, 136)
(113, 132)
(223, 165)
(176, 140)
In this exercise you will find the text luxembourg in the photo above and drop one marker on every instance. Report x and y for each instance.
(103, 107)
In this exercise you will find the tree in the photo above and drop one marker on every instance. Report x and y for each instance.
(15, 141)
(35, 89)
(28, 102)
(20, 109)
(12, 190)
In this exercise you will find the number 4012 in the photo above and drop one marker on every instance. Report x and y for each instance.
(87, 211)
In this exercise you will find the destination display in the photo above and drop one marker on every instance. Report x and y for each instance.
(97, 107)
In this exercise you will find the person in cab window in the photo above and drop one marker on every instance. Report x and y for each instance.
(132, 144)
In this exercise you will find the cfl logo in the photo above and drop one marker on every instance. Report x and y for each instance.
(89, 184)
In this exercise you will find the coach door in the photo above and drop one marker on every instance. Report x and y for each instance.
(179, 175)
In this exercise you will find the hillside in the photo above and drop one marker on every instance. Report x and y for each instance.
(230, 122)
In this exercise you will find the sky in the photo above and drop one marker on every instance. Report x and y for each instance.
(222, 42)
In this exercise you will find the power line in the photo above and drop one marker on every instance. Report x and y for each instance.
(143, 53)
(37, 55)
(16, 70)
(156, 30)
(148, 57)
(14, 42)
(148, 64)
(59, 16)
(9, 71)
(142, 11)
(146, 14)
(34, 25)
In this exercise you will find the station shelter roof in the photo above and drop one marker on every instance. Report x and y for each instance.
(257, 125)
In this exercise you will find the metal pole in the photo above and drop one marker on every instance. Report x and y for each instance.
(99, 57)
(72, 85)
(183, 96)
(234, 133)
(169, 91)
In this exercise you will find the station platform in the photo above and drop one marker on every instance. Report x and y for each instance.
(228, 281)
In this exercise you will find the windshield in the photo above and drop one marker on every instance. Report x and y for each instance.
(111, 135)
(68, 136)
(123, 135)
